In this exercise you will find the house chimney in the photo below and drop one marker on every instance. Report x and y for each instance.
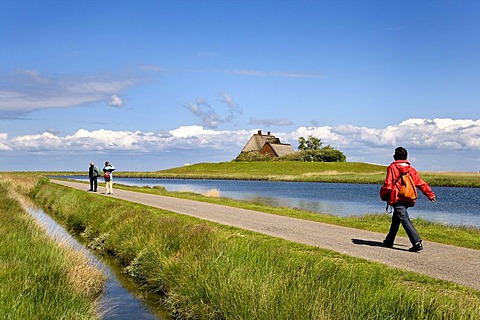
(260, 132)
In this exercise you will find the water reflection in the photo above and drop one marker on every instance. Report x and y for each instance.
(454, 206)
(116, 302)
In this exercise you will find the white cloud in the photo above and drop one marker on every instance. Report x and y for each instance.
(438, 144)
(440, 134)
(188, 137)
(4, 142)
(432, 134)
(209, 116)
(442, 144)
(115, 101)
(28, 90)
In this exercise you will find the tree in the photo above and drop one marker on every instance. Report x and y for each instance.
(312, 143)
(311, 150)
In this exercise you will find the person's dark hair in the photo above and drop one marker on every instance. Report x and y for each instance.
(400, 154)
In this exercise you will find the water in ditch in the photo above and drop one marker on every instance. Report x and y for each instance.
(119, 300)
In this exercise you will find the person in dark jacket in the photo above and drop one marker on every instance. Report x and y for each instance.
(93, 174)
(108, 176)
(390, 192)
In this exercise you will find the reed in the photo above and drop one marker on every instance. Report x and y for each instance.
(39, 278)
(210, 271)
(213, 193)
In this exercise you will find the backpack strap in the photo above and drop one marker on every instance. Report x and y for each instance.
(386, 208)
(400, 177)
(395, 184)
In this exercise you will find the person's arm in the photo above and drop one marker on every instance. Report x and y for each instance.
(386, 191)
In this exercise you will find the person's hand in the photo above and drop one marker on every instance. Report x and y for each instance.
(433, 199)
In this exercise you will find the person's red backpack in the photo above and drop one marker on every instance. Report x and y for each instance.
(407, 190)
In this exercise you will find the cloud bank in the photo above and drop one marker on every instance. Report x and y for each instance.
(439, 134)
(442, 134)
(438, 144)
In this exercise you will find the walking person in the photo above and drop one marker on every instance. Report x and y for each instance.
(390, 192)
(93, 174)
(108, 177)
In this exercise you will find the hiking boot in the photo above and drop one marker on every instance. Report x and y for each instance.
(416, 247)
(387, 244)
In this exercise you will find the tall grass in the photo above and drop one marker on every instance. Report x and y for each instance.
(209, 271)
(461, 236)
(40, 279)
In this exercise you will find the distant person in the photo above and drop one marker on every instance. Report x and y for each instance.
(93, 174)
(108, 176)
(390, 193)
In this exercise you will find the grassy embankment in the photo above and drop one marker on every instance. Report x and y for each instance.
(210, 271)
(347, 172)
(461, 236)
(39, 278)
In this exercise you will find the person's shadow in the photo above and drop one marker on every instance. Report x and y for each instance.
(374, 244)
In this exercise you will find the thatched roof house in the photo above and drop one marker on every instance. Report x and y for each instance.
(267, 144)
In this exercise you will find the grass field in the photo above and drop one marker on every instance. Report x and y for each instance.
(345, 172)
(39, 278)
(341, 172)
(209, 271)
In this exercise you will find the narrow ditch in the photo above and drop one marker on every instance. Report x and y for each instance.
(119, 300)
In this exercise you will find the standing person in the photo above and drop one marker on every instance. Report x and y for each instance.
(108, 176)
(93, 174)
(390, 192)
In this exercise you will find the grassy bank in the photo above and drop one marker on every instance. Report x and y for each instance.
(467, 237)
(40, 279)
(345, 172)
(209, 271)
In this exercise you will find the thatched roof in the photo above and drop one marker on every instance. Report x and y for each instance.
(258, 140)
(281, 149)
(267, 143)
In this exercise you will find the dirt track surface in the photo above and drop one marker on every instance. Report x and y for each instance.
(445, 262)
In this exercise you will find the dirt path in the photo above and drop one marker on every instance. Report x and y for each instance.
(440, 261)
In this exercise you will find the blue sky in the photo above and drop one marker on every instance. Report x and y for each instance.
(150, 85)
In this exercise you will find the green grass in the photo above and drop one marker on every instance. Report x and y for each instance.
(286, 171)
(339, 172)
(345, 172)
(39, 279)
(210, 271)
(461, 236)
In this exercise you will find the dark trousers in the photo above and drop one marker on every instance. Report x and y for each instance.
(400, 216)
(93, 184)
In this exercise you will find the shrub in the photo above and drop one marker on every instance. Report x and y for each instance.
(253, 156)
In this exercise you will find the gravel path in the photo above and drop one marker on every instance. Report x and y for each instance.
(440, 261)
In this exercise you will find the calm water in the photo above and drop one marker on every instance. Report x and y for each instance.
(454, 206)
(117, 303)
